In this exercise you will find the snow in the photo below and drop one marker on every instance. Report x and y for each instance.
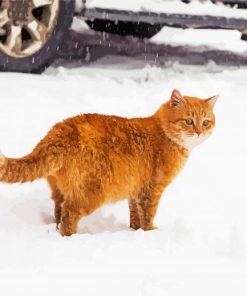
(201, 245)
(170, 6)
(219, 39)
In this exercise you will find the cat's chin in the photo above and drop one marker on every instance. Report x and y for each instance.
(190, 142)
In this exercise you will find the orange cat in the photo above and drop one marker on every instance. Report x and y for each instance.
(92, 159)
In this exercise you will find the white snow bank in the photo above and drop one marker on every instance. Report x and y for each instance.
(200, 248)
(220, 39)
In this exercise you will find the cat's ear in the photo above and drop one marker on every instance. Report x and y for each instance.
(176, 98)
(211, 101)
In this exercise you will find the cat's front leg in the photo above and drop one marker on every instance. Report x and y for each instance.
(148, 201)
(134, 214)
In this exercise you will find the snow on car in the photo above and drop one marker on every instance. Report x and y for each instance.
(195, 7)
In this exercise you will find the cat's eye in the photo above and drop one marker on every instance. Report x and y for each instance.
(206, 122)
(189, 121)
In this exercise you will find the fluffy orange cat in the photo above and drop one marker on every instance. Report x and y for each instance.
(93, 159)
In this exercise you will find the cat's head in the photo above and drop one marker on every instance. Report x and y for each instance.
(189, 120)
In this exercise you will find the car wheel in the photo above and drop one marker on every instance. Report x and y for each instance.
(30, 32)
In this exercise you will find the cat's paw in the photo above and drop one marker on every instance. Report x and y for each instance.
(135, 226)
(149, 227)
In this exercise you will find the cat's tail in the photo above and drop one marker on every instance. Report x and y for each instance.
(58, 147)
(27, 168)
(46, 158)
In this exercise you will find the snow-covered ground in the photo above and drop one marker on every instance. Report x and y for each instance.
(201, 245)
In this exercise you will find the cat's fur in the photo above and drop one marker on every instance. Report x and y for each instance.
(93, 159)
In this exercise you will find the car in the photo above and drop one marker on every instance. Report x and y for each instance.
(32, 30)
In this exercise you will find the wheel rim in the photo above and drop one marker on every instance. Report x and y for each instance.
(25, 26)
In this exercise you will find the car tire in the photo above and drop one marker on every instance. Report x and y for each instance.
(41, 59)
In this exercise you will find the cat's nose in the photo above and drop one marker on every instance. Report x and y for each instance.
(198, 131)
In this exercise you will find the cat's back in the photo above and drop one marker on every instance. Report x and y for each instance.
(96, 130)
